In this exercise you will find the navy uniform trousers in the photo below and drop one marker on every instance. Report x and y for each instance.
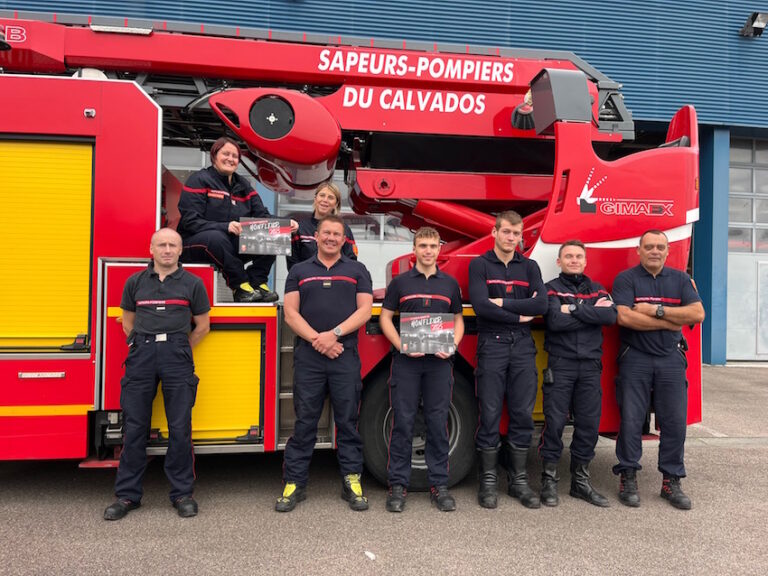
(575, 389)
(148, 363)
(315, 376)
(220, 248)
(506, 365)
(430, 379)
(641, 374)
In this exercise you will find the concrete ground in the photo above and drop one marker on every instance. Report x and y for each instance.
(51, 516)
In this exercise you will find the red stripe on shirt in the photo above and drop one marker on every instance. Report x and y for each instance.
(658, 299)
(418, 296)
(162, 302)
(569, 294)
(195, 190)
(324, 278)
(245, 198)
(508, 282)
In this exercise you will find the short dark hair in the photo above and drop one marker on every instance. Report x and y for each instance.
(220, 143)
(426, 232)
(509, 216)
(573, 242)
(333, 218)
(653, 231)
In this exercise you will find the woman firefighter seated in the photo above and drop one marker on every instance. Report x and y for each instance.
(212, 202)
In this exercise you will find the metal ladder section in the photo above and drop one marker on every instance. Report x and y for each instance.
(326, 430)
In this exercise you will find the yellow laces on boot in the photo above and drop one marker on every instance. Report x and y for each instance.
(288, 491)
(353, 481)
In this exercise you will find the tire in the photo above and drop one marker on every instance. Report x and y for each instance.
(375, 423)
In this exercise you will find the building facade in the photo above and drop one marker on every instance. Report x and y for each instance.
(666, 54)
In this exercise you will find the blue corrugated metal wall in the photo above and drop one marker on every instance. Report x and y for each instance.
(665, 53)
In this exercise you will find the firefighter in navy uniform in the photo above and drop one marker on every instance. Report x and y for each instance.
(578, 309)
(303, 243)
(654, 302)
(327, 298)
(212, 202)
(417, 376)
(506, 292)
(158, 305)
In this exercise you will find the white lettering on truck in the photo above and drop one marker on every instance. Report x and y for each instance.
(435, 67)
(413, 100)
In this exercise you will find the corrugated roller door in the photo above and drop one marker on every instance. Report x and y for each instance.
(45, 234)
(229, 362)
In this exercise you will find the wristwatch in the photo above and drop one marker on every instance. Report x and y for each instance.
(337, 331)
(572, 308)
(659, 311)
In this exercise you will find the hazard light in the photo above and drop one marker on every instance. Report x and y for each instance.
(522, 115)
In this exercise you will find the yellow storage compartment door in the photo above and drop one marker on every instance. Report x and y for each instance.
(45, 231)
(229, 363)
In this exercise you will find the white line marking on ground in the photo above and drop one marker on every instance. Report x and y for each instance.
(708, 430)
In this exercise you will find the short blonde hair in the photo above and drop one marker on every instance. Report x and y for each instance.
(336, 192)
(426, 232)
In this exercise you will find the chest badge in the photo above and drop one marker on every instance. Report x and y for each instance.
(233, 202)
(326, 283)
(508, 289)
(427, 302)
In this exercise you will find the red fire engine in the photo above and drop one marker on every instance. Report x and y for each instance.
(437, 135)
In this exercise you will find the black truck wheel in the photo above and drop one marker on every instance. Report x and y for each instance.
(375, 424)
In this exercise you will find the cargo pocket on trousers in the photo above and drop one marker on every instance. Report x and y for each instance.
(617, 383)
(192, 383)
(124, 383)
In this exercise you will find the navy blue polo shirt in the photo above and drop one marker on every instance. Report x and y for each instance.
(328, 296)
(514, 282)
(167, 306)
(413, 292)
(671, 288)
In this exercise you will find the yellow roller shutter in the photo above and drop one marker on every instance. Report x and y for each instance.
(45, 234)
(229, 365)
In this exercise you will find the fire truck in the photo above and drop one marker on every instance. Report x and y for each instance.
(439, 135)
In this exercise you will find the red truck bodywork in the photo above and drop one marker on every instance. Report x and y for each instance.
(343, 98)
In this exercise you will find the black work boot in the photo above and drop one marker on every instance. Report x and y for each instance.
(352, 492)
(488, 459)
(185, 506)
(442, 498)
(628, 488)
(549, 480)
(582, 488)
(672, 491)
(292, 495)
(119, 509)
(396, 498)
(516, 461)
(242, 295)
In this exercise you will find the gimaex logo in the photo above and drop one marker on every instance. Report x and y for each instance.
(589, 204)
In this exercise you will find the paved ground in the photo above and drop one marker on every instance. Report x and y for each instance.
(50, 516)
